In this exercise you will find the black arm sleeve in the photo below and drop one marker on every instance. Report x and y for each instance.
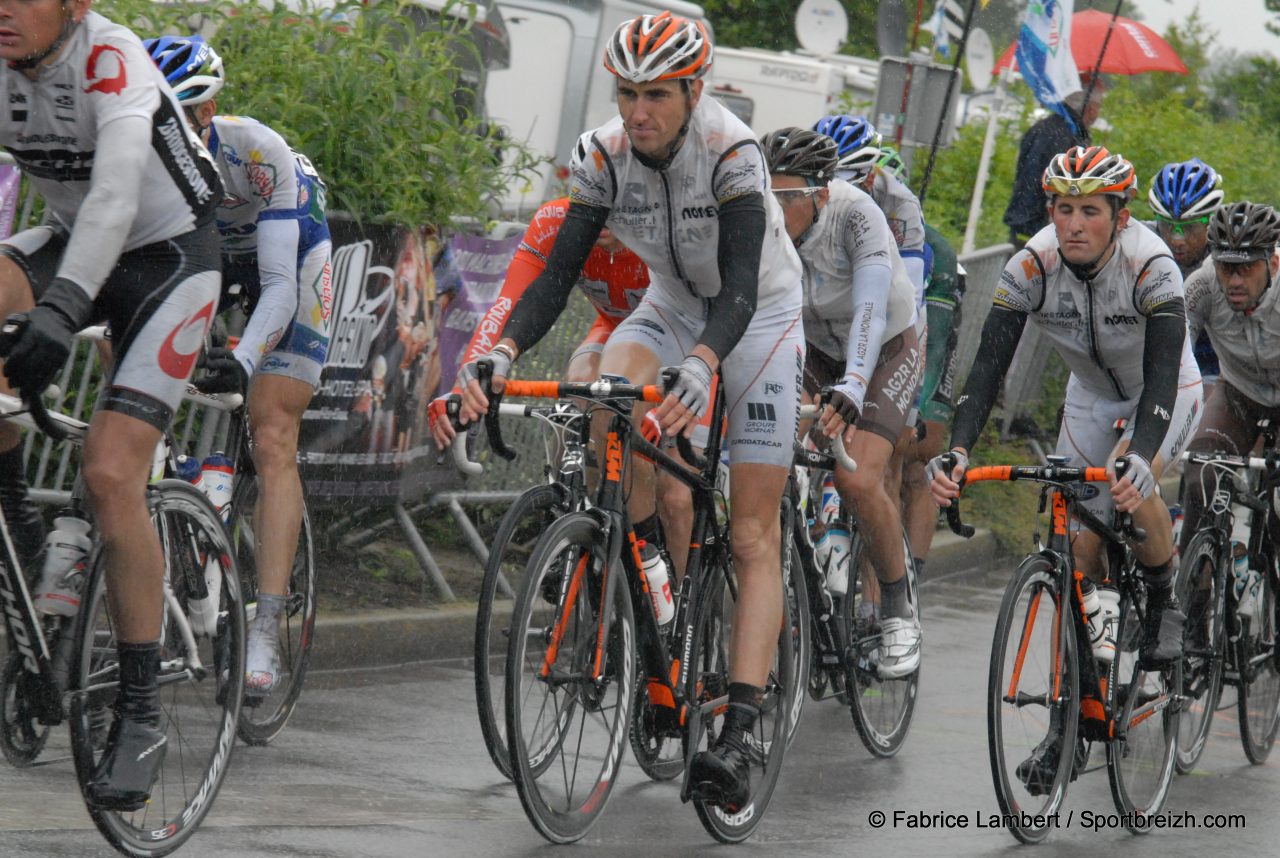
(1000, 335)
(545, 299)
(742, 226)
(1161, 359)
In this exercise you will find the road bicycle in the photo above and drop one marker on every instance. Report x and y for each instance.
(1231, 627)
(577, 647)
(65, 668)
(1046, 694)
(842, 637)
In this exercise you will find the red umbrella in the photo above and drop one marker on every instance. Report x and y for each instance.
(1134, 48)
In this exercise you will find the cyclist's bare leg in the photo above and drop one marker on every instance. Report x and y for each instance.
(15, 297)
(875, 510)
(639, 366)
(756, 540)
(276, 405)
(1153, 517)
(117, 461)
(25, 523)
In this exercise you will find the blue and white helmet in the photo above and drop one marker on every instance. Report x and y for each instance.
(857, 142)
(189, 64)
(1185, 190)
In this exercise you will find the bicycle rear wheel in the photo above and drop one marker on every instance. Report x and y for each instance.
(1144, 709)
(524, 522)
(881, 708)
(707, 693)
(571, 679)
(1033, 700)
(262, 718)
(800, 614)
(1200, 591)
(22, 736)
(1259, 689)
(201, 678)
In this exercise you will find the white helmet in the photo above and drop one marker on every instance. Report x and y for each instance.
(651, 48)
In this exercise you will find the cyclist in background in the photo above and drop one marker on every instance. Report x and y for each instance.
(1106, 293)
(129, 238)
(683, 183)
(276, 246)
(1234, 300)
(1183, 196)
(859, 321)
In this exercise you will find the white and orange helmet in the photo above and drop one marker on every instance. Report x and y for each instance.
(651, 48)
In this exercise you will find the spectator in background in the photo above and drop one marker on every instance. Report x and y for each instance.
(1026, 214)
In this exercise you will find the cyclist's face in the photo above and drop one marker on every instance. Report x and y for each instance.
(1244, 282)
(1084, 226)
(28, 27)
(797, 199)
(654, 112)
(1187, 239)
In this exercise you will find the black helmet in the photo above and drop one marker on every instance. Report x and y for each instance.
(797, 152)
(1243, 232)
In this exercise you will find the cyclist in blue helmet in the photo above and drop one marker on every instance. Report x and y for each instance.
(857, 145)
(1183, 196)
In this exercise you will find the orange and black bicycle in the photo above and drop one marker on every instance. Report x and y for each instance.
(586, 650)
(1048, 697)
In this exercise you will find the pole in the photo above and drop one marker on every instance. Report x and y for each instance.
(984, 162)
(906, 83)
(946, 102)
(1097, 66)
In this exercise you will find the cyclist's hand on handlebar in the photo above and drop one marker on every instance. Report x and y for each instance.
(440, 421)
(841, 412)
(475, 400)
(943, 486)
(222, 372)
(688, 398)
(1135, 486)
(41, 342)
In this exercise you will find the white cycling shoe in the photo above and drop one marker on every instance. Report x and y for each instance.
(899, 647)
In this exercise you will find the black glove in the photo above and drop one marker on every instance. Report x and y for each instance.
(40, 345)
(223, 373)
(842, 402)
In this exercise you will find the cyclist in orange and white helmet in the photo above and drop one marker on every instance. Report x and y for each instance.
(683, 182)
(1105, 291)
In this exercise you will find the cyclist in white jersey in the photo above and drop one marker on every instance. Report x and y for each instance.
(1235, 300)
(859, 321)
(1105, 291)
(682, 182)
(276, 246)
(129, 238)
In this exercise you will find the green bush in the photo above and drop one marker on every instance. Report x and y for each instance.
(373, 93)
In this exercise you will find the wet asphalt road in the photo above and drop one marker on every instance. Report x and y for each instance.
(391, 763)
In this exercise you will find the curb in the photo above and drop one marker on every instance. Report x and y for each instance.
(391, 637)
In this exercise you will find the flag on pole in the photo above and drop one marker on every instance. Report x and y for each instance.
(1044, 54)
(946, 24)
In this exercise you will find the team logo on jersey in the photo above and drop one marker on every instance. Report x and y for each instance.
(105, 70)
(261, 176)
(180, 349)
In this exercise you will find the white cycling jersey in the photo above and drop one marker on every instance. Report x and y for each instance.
(1098, 326)
(1247, 343)
(857, 294)
(669, 218)
(901, 209)
(55, 128)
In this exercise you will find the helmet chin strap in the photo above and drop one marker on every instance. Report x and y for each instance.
(32, 60)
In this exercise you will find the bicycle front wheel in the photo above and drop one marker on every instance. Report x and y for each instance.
(262, 718)
(524, 522)
(1033, 700)
(799, 613)
(201, 677)
(707, 694)
(22, 736)
(1144, 710)
(1259, 697)
(1200, 591)
(570, 679)
(881, 708)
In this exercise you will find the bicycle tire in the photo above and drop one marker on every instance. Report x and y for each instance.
(708, 683)
(200, 707)
(1258, 700)
(800, 614)
(1140, 758)
(530, 514)
(881, 708)
(22, 736)
(263, 718)
(1023, 613)
(562, 635)
(1204, 644)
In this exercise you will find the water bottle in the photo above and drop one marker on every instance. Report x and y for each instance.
(1250, 604)
(1176, 518)
(202, 611)
(829, 511)
(215, 479)
(62, 577)
(1102, 609)
(1239, 568)
(833, 559)
(655, 572)
(188, 469)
